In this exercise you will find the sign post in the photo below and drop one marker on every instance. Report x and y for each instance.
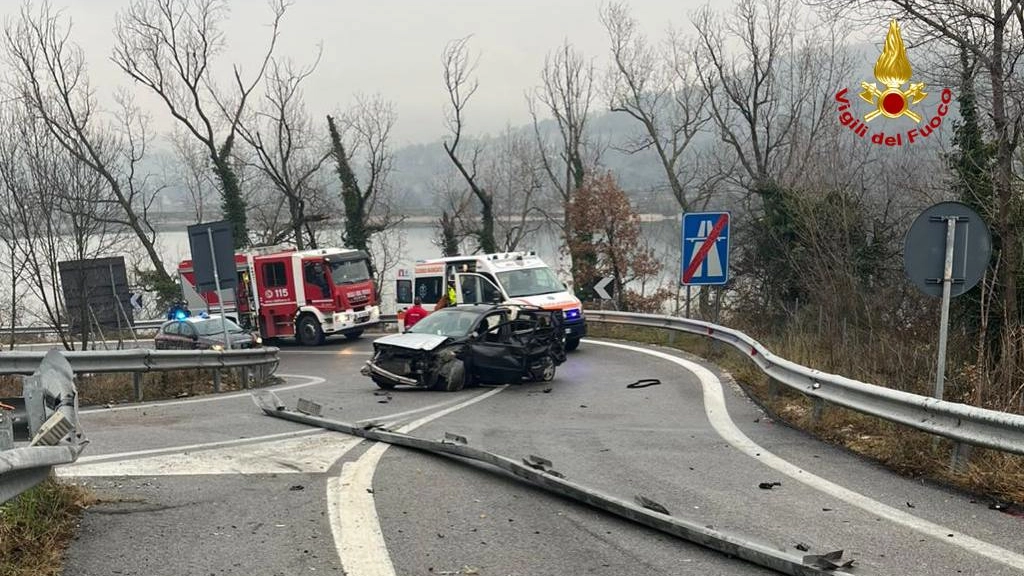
(213, 252)
(220, 296)
(952, 238)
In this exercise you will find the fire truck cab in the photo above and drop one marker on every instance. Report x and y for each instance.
(509, 277)
(308, 294)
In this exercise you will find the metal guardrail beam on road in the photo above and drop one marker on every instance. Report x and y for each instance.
(49, 423)
(960, 422)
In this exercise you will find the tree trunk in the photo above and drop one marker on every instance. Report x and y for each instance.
(1003, 179)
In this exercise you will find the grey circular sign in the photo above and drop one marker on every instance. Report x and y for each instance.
(924, 252)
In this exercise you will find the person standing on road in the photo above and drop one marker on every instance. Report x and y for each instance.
(415, 313)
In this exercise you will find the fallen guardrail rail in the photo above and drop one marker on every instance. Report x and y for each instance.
(960, 422)
(259, 363)
(46, 416)
(537, 472)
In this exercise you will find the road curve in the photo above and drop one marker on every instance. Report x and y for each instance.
(214, 487)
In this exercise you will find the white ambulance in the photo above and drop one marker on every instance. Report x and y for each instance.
(507, 277)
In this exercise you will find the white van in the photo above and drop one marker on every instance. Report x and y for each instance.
(507, 277)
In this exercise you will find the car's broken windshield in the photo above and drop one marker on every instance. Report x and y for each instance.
(450, 322)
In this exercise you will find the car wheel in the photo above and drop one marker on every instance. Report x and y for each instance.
(308, 331)
(383, 384)
(572, 344)
(456, 379)
(354, 334)
(545, 372)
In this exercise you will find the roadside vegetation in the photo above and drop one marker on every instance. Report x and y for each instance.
(37, 526)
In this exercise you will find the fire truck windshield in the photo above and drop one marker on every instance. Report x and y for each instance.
(350, 271)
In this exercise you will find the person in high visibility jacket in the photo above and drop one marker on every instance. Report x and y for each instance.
(449, 298)
(415, 313)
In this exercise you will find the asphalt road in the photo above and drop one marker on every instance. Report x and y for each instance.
(211, 486)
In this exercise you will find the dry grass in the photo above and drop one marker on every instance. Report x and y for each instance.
(906, 451)
(36, 527)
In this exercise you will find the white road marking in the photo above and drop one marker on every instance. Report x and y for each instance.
(354, 521)
(389, 418)
(190, 447)
(718, 415)
(313, 381)
(312, 453)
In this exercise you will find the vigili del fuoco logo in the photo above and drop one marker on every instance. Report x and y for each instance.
(891, 100)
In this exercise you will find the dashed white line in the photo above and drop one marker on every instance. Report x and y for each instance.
(354, 521)
(718, 415)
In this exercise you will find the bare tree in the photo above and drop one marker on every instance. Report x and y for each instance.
(515, 174)
(364, 142)
(566, 93)
(49, 76)
(287, 149)
(458, 69)
(192, 170)
(770, 98)
(59, 209)
(658, 88)
(169, 46)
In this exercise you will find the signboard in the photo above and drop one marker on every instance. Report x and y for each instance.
(205, 253)
(604, 291)
(924, 252)
(96, 291)
(705, 249)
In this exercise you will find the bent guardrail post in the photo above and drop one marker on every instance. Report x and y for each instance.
(51, 403)
(536, 472)
(959, 422)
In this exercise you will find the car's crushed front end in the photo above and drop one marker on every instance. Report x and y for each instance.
(409, 359)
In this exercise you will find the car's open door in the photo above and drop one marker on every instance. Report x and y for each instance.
(495, 357)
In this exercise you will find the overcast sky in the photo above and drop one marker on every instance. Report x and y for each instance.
(394, 47)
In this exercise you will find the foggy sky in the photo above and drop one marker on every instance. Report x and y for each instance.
(392, 47)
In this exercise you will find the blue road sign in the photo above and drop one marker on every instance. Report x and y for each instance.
(705, 259)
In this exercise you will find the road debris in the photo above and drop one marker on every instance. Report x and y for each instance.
(831, 561)
(643, 511)
(802, 547)
(644, 383)
(768, 485)
(651, 504)
(296, 488)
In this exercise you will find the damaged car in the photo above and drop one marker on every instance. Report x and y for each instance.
(455, 347)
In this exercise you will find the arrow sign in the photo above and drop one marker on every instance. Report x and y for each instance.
(136, 301)
(600, 288)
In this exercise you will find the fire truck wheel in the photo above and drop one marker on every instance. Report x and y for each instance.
(308, 331)
(354, 334)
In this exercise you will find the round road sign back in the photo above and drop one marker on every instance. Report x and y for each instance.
(924, 252)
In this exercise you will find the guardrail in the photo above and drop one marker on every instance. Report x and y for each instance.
(259, 363)
(45, 329)
(959, 422)
(46, 415)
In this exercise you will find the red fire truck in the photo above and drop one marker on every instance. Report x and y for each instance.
(307, 294)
